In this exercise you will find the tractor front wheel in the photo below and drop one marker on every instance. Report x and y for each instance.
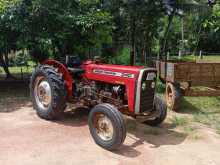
(161, 107)
(107, 126)
(48, 92)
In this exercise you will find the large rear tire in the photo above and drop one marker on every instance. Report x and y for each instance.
(161, 107)
(48, 92)
(173, 96)
(107, 126)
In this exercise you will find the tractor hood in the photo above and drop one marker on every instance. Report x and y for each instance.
(113, 73)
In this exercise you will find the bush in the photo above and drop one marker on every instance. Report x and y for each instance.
(122, 57)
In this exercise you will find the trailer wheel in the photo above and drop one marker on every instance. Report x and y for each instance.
(173, 96)
(48, 92)
(107, 126)
(161, 107)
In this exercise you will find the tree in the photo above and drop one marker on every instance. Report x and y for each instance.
(8, 34)
(56, 27)
(210, 35)
(136, 23)
(68, 27)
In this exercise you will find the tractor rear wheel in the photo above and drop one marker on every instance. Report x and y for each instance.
(173, 96)
(48, 92)
(161, 107)
(107, 126)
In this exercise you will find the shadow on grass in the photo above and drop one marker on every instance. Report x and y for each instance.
(218, 98)
(187, 108)
(13, 96)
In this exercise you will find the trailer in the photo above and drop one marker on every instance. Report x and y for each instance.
(200, 78)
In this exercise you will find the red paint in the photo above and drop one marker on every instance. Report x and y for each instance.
(66, 75)
(130, 83)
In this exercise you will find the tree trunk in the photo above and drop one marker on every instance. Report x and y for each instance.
(143, 58)
(5, 67)
(132, 53)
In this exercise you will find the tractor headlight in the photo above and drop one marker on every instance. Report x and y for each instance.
(144, 86)
(153, 85)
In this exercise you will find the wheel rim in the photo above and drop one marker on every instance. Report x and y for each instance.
(104, 127)
(42, 93)
(169, 96)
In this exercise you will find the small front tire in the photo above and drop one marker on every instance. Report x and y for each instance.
(107, 126)
(161, 107)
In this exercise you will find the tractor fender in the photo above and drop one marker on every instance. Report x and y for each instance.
(66, 75)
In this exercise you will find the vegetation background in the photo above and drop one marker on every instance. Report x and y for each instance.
(121, 31)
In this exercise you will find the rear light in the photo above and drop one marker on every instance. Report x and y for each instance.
(144, 86)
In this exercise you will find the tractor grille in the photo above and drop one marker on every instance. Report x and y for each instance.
(147, 95)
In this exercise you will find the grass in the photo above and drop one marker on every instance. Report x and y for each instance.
(179, 121)
(19, 72)
(218, 129)
(18, 69)
(204, 110)
(194, 58)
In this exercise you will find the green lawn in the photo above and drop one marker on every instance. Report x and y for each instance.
(17, 71)
(205, 110)
(194, 58)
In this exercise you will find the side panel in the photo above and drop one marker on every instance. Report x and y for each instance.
(166, 70)
(203, 74)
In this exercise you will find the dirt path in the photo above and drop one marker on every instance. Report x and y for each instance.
(27, 140)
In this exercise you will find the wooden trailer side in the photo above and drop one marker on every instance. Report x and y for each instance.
(198, 74)
(165, 71)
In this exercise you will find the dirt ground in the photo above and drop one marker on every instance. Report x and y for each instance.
(28, 140)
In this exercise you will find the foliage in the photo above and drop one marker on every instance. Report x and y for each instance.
(121, 31)
(122, 57)
(211, 34)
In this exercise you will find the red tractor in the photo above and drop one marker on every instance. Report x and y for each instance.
(109, 90)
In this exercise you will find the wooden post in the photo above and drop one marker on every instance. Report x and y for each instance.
(168, 55)
(22, 75)
(158, 56)
(200, 55)
(180, 54)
